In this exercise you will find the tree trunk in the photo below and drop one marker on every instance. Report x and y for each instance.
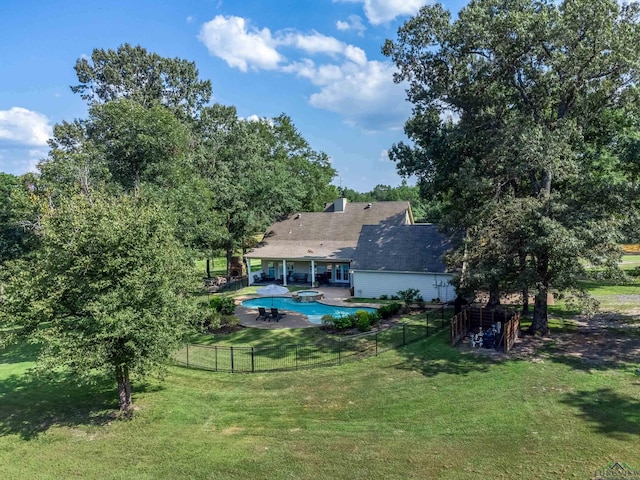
(124, 388)
(494, 295)
(540, 322)
(208, 268)
(525, 288)
(525, 300)
(229, 255)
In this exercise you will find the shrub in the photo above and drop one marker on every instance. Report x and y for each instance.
(383, 297)
(206, 318)
(363, 323)
(223, 304)
(327, 320)
(342, 323)
(389, 310)
(409, 296)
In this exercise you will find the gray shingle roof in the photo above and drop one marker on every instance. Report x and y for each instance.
(328, 234)
(401, 248)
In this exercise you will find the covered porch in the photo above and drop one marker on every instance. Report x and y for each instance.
(314, 272)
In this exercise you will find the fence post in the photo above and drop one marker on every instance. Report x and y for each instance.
(376, 343)
(427, 325)
(339, 352)
(442, 316)
(231, 359)
(215, 351)
(253, 366)
(187, 355)
(296, 356)
(404, 334)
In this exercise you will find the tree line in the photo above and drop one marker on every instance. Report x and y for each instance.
(97, 247)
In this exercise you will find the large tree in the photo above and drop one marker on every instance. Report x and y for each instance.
(105, 292)
(519, 106)
(147, 78)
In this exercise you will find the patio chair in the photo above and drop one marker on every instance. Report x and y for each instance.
(276, 315)
(262, 314)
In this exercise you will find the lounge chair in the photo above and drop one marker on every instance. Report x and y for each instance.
(276, 315)
(262, 314)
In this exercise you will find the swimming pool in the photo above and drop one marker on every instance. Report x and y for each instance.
(313, 310)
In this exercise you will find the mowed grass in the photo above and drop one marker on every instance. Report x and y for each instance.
(423, 411)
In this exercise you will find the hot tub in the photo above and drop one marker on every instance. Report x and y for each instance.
(305, 296)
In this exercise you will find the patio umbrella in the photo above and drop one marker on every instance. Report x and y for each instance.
(271, 290)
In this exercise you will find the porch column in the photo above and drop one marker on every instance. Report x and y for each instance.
(313, 272)
(249, 277)
(284, 272)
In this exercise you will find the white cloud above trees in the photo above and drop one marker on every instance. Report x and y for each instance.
(382, 11)
(240, 45)
(25, 127)
(360, 90)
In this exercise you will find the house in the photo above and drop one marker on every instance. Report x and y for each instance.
(376, 248)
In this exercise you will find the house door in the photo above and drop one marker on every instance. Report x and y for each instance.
(342, 273)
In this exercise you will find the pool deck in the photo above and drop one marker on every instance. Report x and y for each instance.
(332, 296)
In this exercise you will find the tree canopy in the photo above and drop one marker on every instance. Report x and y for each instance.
(107, 289)
(147, 78)
(521, 120)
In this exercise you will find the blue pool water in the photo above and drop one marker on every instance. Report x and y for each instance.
(313, 310)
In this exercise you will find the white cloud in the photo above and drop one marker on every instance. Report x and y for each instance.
(381, 11)
(362, 91)
(22, 126)
(241, 46)
(354, 22)
(367, 98)
(384, 156)
(312, 43)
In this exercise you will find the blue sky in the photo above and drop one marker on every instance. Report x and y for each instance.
(318, 61)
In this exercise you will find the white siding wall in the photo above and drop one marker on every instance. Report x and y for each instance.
(374, 284)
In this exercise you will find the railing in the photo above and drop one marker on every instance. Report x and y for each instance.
(222, 358)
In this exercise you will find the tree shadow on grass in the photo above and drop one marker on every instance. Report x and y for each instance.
(589, 351)
(609, 412)
(18, 353)
(31, 404)
(435, 356)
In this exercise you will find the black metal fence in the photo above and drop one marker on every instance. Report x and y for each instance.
(336, 351)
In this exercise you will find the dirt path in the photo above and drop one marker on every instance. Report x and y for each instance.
(605, 340)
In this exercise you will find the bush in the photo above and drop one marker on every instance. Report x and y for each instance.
(327, 320)
(342, 323)
(409, 296)
(223, 304)
(389, 310)
(206, 318)
(383, 297)
(363, 323)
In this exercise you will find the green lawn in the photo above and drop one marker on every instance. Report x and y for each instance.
(218, 266)
(425, 411)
